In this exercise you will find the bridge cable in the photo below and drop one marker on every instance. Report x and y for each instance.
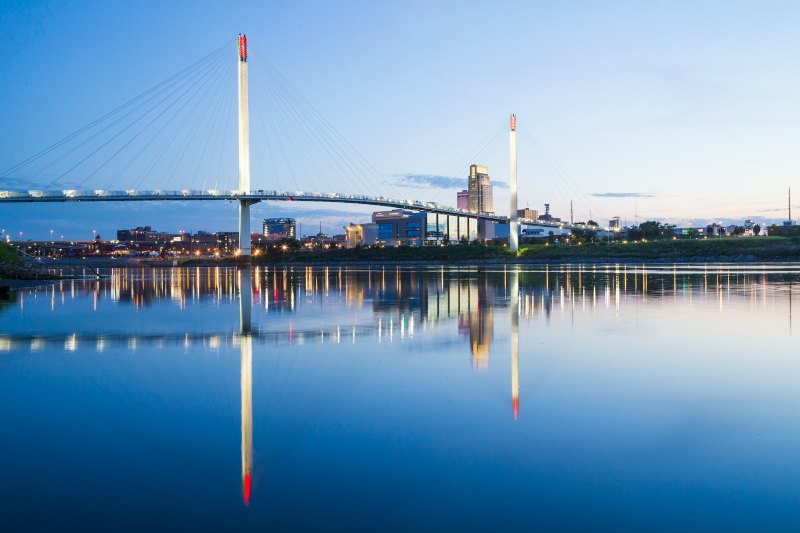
(151, 140)
(319, 123)
(90, 125)
(120, 133)
(101, 131)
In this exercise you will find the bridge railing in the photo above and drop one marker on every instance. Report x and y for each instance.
(56, 195)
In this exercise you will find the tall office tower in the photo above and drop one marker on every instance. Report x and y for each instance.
(480, 190)
(462, 200)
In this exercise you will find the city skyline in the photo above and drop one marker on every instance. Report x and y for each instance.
(650, 124)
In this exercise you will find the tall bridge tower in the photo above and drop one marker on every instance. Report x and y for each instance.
(513, 233)
(244, 152)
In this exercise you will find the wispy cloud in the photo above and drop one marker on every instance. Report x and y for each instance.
(776, 209)
(623, 195)
(426, 181)
(434, 181)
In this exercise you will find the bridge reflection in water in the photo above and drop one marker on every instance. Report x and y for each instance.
(246, 371)
(401, 303)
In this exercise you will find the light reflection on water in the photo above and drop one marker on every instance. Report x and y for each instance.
(399, 299)
(603, 342)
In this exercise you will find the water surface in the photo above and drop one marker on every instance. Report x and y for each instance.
(614, 397)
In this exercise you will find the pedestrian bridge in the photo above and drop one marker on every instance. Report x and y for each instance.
(131, 195)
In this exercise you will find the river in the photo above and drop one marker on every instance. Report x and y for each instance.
(570, 397)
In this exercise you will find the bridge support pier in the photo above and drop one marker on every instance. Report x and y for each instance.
(244, 229)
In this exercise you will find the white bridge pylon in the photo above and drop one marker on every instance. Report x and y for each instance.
(244, 151)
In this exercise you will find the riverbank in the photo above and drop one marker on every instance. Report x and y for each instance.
(726, 250)
(11, 272)
(730, 249)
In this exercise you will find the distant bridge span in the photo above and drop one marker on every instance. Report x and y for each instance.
(8, 197)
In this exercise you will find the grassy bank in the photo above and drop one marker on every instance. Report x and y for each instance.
(726, 249)
(731, 248)
(402, 254)
(9, 255)
(424, 253)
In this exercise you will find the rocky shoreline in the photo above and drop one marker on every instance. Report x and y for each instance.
(11, 272)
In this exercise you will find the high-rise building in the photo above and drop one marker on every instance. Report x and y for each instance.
(614, 223)
(462, 200)
(280, 228)
(531, 214)
(479, 190)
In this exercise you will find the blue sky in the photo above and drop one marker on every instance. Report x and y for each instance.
(677, 111)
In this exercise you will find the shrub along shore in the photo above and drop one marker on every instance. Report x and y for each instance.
(731, 249)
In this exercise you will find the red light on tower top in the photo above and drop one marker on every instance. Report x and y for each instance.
(513, 122)
(242, 47)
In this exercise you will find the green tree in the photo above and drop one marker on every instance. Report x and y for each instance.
(756, 229)
(8, 254)
(652, 229)
(583, 235)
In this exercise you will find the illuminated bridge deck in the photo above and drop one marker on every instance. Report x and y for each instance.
(45, 196)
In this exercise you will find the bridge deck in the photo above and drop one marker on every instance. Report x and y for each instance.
(35, 196)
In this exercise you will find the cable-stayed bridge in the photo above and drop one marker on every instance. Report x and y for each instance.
(158, 128)
(133, 195)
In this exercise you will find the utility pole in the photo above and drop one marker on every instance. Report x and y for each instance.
(513, 232)
(571, 214)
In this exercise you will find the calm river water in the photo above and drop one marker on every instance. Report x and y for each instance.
(609, 397)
